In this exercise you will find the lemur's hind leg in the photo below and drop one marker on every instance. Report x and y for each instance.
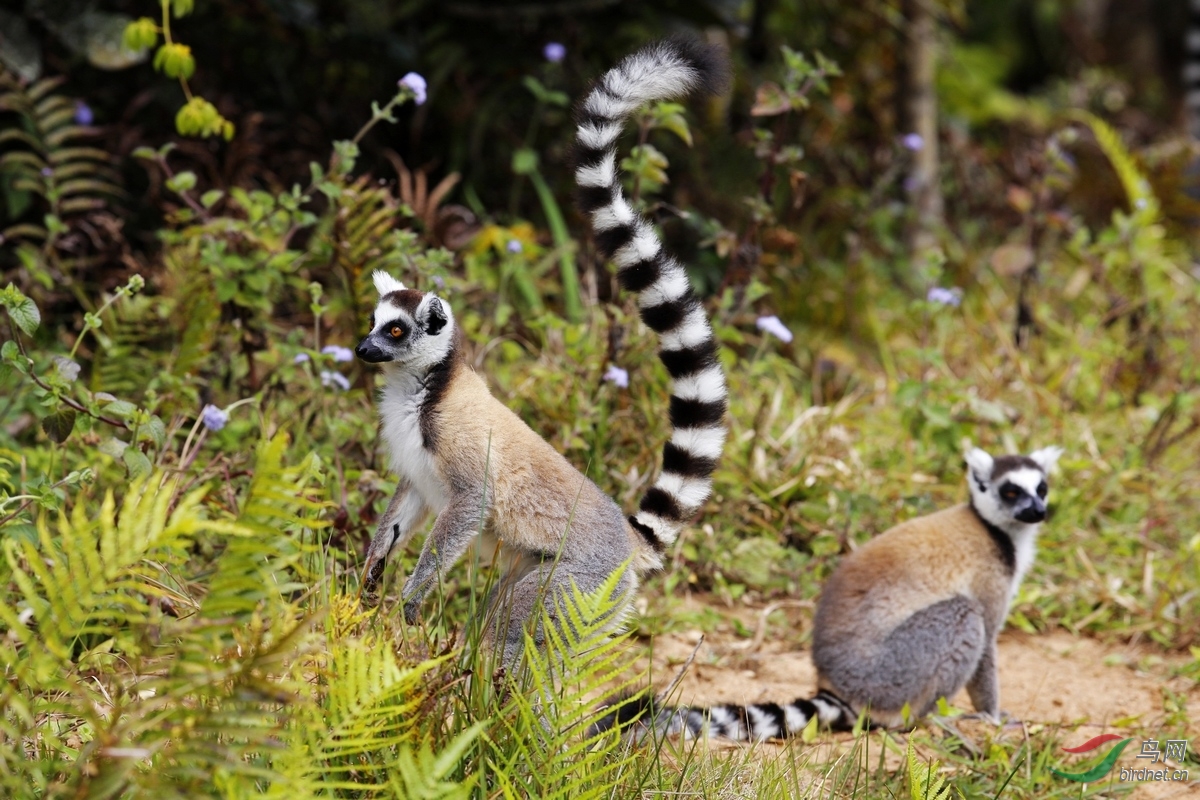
(524, 602)
(931, 655)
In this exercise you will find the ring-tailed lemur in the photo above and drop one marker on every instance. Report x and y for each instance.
(910, 617)
(462, 454)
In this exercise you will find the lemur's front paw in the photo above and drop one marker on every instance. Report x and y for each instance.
(412, 611)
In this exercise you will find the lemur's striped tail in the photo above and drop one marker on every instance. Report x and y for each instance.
(661, 71)
(641, 717)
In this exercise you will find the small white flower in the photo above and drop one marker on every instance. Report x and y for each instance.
(912, 141)
(213, 418)
(513, 246)
(330, 378)
(773, 326)
(415, 84)
(339, 353)
(618, 376)
(554, 52)
(300, 358)
(946, 297)
(66, 368)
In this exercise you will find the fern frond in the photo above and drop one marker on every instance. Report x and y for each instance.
(924, 782)
(367, 707)
(261, 561)
(542, 750)
(44, 157)
(127, 360)
(421, 775)
(366, 214)
(90, 575)
(1137, 188)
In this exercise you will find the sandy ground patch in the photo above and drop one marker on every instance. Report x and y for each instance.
(1053, 682)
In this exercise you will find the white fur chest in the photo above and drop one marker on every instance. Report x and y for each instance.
(1024, 546)
(400, 414)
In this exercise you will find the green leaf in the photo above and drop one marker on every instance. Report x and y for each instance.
(525, 161)
(113, 447)
(155, 430)
(54, 225)
(535, 87)
(24, 312)
(59, 424)
(120, 408)
(184, 181)
(145, 152)
(140, 35)
(345, 154)
(211, 197)
(136, 462)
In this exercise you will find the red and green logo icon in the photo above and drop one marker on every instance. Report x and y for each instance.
(1106, 764)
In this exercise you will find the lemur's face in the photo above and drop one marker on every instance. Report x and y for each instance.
(1010, 491)
(407, 327)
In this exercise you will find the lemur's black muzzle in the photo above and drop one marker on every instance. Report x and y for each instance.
(369, 352)
(1035, 511)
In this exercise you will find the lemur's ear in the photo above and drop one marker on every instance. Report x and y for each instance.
(386, 284)
(980, 465)
(434, 317)
(1046, 458)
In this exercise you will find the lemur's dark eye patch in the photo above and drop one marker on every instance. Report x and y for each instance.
(1009, 492)
(1042, 489)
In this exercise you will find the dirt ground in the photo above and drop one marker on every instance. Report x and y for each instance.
(1076, 686)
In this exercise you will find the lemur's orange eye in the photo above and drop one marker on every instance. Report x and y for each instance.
(397, 331)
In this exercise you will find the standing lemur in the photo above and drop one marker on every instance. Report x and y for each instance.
(910, 617)
(463, 455)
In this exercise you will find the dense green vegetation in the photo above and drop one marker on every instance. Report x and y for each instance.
(188, 459)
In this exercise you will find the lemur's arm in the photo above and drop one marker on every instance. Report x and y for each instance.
(396, 527)
(456, 526)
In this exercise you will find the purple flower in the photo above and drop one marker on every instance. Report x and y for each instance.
(83, 113)
(912, 141)
(439, 281)
(330, 378)
(213, 418)
(618, 376)
(415, 84)
(773, 326)
(300, 358)
(946, 297)
(513, 246)
(339, 353)
(47, 172)
(554, 52)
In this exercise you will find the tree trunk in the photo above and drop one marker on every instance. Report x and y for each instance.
(924, 190)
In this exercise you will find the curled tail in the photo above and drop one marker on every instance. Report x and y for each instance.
(664, 70)
(641, 716)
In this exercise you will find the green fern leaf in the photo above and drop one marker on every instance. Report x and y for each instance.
(924, 782)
